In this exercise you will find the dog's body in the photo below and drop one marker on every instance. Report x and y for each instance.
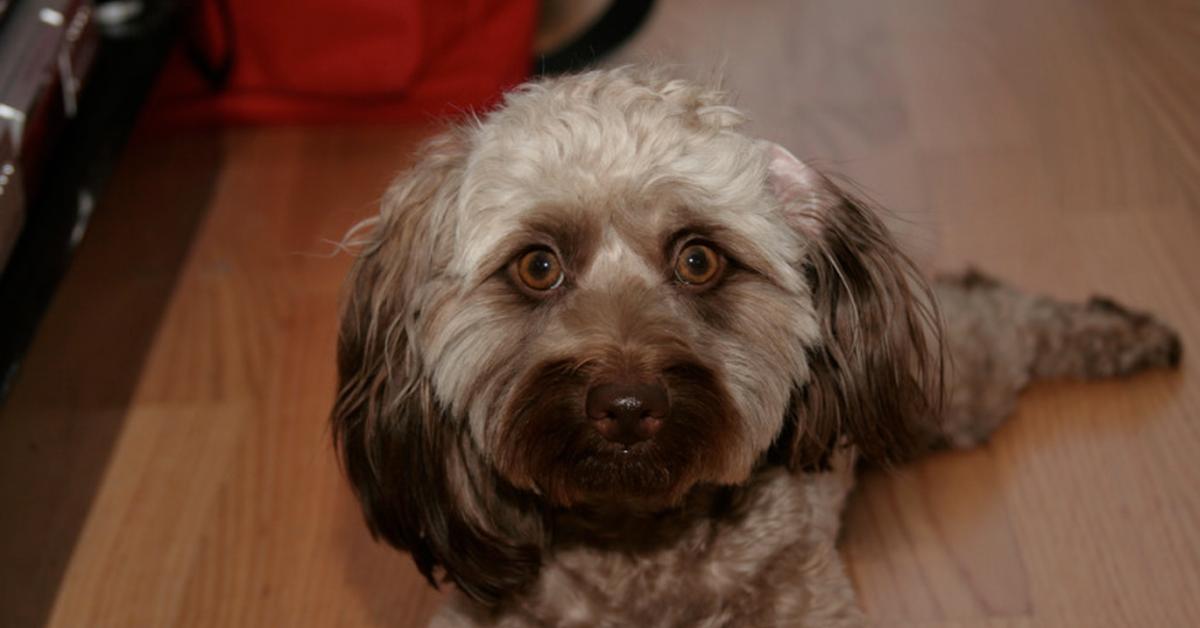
(608, 361)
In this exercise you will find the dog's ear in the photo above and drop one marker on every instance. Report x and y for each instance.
(876, 370)
(423, 486)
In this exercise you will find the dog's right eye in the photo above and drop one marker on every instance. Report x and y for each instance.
(538, 270)
(698, 265)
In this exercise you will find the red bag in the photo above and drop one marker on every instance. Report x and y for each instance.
(345, 60)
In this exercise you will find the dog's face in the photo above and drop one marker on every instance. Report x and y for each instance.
(605, 295)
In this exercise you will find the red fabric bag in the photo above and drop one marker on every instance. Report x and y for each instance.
(344, 60)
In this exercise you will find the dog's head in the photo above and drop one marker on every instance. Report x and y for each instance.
(603, 294)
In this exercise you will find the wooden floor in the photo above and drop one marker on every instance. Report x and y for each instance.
(164, 458)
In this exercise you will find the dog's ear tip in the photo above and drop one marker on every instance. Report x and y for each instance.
(489, 570)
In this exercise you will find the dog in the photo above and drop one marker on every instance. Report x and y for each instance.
(606, 360)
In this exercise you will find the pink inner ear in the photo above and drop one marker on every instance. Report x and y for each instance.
(790, 177)
(796, 185)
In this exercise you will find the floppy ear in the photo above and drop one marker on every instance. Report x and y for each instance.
(423, 486)
(876, 371)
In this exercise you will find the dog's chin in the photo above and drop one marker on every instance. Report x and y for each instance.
(643, 475)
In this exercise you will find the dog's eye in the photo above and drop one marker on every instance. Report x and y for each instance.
(539, 270)
(697, 264)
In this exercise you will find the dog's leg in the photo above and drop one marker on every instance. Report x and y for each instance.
(998, 340)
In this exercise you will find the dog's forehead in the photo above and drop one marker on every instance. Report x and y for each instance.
(623, 196)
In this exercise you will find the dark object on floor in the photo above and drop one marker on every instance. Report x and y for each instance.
(73, 75)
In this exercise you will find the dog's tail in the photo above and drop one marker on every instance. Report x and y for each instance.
(1000, 339)
(1100, 338)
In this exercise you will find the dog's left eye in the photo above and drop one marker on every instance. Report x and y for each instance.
(538, 270)
(698, 265)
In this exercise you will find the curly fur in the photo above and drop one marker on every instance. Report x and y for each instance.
(460, 411)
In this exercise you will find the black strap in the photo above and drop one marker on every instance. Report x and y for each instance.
(214, 66)
(618, 23)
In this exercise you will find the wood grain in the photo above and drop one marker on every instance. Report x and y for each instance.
(1053, 143)
(59, 424)
(223, 504)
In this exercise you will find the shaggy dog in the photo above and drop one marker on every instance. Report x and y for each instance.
(607, 361)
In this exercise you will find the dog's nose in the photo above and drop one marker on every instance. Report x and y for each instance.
(627, 413)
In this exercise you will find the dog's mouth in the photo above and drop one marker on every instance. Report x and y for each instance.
(557, 441)
(625, 452)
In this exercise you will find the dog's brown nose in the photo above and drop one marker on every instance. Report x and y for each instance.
(627, 413)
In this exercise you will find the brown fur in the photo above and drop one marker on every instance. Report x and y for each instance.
(460, 416)
(877, 374)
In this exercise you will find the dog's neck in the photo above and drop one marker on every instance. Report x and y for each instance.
(618, 526)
